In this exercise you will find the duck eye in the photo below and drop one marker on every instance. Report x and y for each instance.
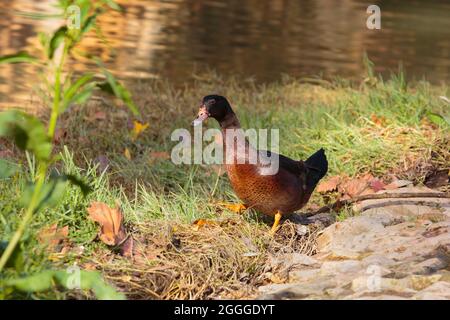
(211, 102)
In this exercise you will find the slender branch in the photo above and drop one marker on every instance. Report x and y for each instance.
(407, 195)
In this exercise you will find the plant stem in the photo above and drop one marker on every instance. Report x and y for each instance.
(57, 93)
(26, 218)
(43, 166)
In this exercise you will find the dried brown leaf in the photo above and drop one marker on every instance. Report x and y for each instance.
(53, 236)
(354, 187)
(329, 185)
(200, 223)
(378, 120)
(112, 231)
(376, 185)
(154, 155)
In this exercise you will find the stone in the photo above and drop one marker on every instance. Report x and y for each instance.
(310, 290)
(378, 260)
(291, 260)
(375, 284)
(303, 259)
(380, 296)
(337, 267)
(395, 249)
(418, 282)
(429, 266)
(398, 184)
(304, 275)
(437, 291)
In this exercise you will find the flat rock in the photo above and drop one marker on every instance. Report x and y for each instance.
(394, 249)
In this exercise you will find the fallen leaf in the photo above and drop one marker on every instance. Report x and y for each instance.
(376, 185)
(127, 154)
(368, 177)
(329, 185)
(138, 128)
(379, 121)
(161, 155)
(112, 231)
(367, 190)
(353, 187)
(155, 155)
(53, 236)
(200, 223)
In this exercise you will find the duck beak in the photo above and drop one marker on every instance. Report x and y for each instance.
(203, 114)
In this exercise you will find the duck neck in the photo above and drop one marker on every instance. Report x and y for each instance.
(235, 143)
(230, 122)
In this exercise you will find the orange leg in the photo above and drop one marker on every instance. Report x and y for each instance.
(235, 207)
(276, 223)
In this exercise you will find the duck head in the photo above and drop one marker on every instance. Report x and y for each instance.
(217, 107)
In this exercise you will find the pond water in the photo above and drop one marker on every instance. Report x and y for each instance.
(250, 38)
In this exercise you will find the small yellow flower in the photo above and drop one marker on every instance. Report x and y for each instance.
(138, 128)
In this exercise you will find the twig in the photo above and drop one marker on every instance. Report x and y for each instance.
(341, 203)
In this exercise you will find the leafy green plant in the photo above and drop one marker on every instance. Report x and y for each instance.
(30, 134)
(84, 280)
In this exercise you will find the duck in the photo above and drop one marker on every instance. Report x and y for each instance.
(276, 194)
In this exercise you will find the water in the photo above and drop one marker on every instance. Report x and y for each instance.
(253, 38)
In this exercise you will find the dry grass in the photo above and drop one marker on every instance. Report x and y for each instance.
(228, 258)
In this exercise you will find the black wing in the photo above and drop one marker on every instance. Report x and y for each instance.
(295, 167)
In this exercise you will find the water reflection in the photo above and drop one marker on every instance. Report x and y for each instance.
(252, 38)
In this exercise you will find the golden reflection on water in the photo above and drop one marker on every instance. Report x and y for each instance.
(258, 38)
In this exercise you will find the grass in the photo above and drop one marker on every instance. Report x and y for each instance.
(381, 128)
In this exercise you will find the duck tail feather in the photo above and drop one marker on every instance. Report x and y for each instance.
(317, 165)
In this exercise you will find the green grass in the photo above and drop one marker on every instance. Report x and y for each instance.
(336, 116)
